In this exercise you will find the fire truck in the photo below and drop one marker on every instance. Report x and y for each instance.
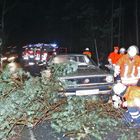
(39, 54)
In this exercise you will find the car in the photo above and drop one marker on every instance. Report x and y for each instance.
(89, 78)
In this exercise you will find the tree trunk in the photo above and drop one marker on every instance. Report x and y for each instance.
(119, 32)
(112, 25)
(3, 13)
(137, 29)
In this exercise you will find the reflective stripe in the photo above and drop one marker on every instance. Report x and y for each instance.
(25, 57)
(134, 113)
(38, 55)
(31, 56)
(138, 68)
(129, 80)
(44, 57)
(133, 71)
(37, 58)
(135, 116)
(31, 63)
(126, 71)
(116, 70)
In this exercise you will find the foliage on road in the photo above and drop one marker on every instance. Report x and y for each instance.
(85, 118)
(27, 100)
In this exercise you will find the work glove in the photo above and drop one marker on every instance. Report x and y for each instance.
(116, 101)
(116, 70)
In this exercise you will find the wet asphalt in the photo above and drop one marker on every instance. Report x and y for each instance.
(43, 131)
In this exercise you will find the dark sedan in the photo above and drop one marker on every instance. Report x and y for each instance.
(88, 79)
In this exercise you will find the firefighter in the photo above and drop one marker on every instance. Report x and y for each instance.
(87, 52)
(31, 57)
(44, 56)
(37, 55)
(122, 52)
(128, 67)
(113, 57)
(54, 52)
(128, 97)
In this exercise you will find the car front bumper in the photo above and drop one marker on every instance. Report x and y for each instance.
(104, 90)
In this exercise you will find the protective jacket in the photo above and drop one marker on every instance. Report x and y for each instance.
(120, 55)
(114, 57)
(25, 55)
(37, 54)
(131, 94)
(44, 56)
(132, 97)
(31, 57)
(129, 69)
(31, 53)
(88, 53)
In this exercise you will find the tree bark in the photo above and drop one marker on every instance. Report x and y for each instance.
(112, 8)
(137, 28)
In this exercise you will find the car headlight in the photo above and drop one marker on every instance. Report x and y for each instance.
(86, 81)
(109, 79)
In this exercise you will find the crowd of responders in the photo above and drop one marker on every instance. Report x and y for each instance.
(38, 54)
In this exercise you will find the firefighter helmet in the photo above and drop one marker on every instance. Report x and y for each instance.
(86, 49)
(122, 50)
(132, 50)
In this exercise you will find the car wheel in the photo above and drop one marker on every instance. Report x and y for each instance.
(104, 98)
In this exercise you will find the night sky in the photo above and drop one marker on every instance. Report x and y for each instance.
(74, 24)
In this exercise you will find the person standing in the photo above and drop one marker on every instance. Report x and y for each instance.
(87, 52)
(37, 55)
(44, 56)
(122, 52)
(113, 57)
(31, 56)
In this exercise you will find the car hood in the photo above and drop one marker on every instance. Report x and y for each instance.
(87, 70)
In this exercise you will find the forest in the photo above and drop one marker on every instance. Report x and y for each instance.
(71, 24)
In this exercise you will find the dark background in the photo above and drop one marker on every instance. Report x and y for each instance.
(74, 24)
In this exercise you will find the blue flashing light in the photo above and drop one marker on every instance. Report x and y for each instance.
(51, 45)
(46, 45)
(38, 45)
(54, 45)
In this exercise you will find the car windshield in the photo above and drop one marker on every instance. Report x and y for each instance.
(80, 59)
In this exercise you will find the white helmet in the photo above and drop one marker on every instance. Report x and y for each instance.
(122, 50)
(119, 88)
(86, 49)
(132, 50)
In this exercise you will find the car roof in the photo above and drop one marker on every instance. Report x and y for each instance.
(70, 54)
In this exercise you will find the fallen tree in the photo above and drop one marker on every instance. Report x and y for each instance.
(27, 101)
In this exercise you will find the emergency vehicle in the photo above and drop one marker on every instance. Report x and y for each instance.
(39, 54)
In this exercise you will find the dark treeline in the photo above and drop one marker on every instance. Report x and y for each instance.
(74, 24)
